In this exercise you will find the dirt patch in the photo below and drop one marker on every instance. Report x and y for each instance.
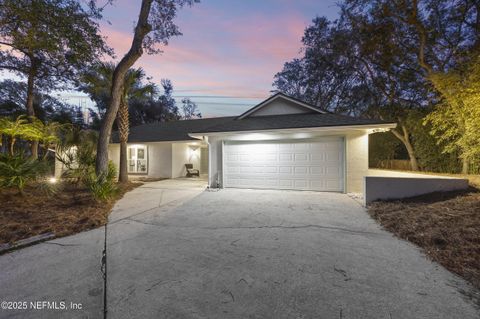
(71, 210)
(446, 225)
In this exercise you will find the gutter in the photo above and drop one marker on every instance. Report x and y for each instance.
(386, 126)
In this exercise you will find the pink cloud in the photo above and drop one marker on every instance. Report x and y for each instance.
(237, 56)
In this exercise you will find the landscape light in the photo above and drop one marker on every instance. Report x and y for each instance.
(52, 180)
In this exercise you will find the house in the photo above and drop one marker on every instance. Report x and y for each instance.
(281, 143)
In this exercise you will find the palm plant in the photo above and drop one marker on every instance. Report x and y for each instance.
(32, 130)
(17, 171)
(98, 83)
(76, 151)
(18, 128)
(48, 134)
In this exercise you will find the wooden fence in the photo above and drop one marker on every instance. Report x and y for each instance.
(394, 164)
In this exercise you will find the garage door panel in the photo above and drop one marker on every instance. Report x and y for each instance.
(304, 165)
(286, 157)
(300, 157)
(285, 170)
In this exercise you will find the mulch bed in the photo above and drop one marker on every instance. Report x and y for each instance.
(446, 225)
(71, 210)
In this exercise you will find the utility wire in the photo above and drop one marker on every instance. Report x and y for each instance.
(175, 96)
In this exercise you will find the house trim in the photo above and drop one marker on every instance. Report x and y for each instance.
(293, 130)
(276, 96)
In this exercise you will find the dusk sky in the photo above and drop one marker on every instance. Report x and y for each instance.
(228, 48)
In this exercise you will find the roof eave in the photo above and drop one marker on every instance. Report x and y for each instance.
(379, 126)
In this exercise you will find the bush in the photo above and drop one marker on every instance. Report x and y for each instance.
(18, 171)
(383, 147)
(430, 154)
(48, 188)
(78, 153)
(104, 186)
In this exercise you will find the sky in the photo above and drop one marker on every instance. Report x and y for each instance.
(229, 52)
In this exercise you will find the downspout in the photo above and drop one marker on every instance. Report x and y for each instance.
(205, 139)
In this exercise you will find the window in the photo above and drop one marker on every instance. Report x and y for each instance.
(137, 159)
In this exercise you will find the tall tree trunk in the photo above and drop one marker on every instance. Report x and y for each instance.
(405, 139)
(29, 106)
(123, 131)
(135, 52)
(12, 146)
(411, 155)
(465, 165)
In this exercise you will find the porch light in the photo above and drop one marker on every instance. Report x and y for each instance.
(192, 150)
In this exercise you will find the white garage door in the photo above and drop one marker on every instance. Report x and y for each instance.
(290, 164)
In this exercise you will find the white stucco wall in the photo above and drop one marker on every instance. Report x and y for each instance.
(159, 159)
(183, 153)
(215, 157)
(356, 164)
(165, 159)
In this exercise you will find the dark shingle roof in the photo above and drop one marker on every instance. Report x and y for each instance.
(179, 130)
(287, 121)
(170, 131)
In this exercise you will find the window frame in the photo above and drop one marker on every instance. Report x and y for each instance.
(136, 147)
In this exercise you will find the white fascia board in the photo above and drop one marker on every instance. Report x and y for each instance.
(386, 126)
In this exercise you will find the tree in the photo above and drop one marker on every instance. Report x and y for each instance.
(13, 96)
(190, 110)
(455, 121)
(155, 109)
(97, 84)
(383, 59)
(324, 76)
(47, 134)
(48, 42)
(154, 25)
(14, 129)
(28, 129)
(445, 38)
(356, 66)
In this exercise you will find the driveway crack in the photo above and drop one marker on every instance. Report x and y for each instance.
(264, 227)
(103, 269)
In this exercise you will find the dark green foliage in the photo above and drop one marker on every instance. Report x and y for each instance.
(13, 97)
(103, 187)
(430, 155)
(55, 39)
(377, 61)
(77, 153)
(18, 171)
(383, 147)
(145, 103)
(49, 188)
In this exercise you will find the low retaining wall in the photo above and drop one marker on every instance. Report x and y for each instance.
(383, 187)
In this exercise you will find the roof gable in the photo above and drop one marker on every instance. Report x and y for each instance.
(280, 104)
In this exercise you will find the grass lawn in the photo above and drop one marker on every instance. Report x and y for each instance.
(70, 211)
(446, 225)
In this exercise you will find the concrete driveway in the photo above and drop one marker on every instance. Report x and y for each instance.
(269, 254)
(174, 250)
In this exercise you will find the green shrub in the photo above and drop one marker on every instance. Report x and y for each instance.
(18, 171)
(48, 188)
(104, 186)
